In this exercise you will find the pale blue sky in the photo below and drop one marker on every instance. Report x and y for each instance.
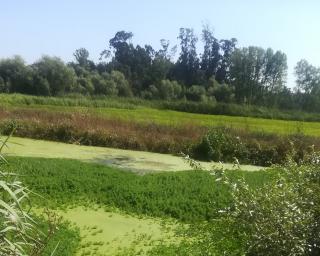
(32, 28)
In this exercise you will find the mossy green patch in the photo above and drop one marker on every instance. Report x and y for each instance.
(127, 159)
(112, 233)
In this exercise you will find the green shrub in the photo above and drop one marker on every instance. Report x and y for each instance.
(196, 93)
(231, 145)
(281, 217)
(219, 145)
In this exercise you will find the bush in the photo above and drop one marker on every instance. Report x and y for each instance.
(60, 77)
(124, 90)
(282, 217)
(196, 93)
(169, 90)
(84, 86)
(229, 145)
(221, 92)
(220, 145)
(3, 86)
(41, 85)
(151, 93)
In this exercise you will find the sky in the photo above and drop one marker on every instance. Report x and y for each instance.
(32, 28)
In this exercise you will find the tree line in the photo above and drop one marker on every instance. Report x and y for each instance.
(222, 72)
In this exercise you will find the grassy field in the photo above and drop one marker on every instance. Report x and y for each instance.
(147, 115)
(212, 108)
(133, 112)
(174, 118)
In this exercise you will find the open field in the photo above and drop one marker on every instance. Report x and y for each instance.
(147, 115)
(136, 110)
(182, 106)
(256, 142)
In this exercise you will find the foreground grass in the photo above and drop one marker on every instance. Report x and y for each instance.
(187, 196)
(64, 242)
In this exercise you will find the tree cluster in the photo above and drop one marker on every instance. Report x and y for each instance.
(221, 72)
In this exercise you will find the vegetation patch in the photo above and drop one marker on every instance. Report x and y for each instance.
(212, 108)
(141, 162)
(187, 196)
(113, 233)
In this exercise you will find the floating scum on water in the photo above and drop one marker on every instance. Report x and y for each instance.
(127, 159)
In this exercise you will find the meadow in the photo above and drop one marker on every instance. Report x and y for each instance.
(212, 108)
(130, 110)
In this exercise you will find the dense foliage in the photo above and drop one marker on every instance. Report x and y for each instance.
(19, 234)
(222, 72)
(280, 217)
(229, 145)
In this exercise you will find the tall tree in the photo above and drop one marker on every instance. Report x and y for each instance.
(308, 77)
(256, 72)
(161, 63)
(187, 66)
(135, 62)
(211, 57)
(81, 55)
(122, 50)
(227, 47)
(275, 71)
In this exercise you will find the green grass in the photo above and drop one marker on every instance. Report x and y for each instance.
(143, 114)
(188, 196)
(65, 241)
(230, 109)
(174, 118)
(76, 101)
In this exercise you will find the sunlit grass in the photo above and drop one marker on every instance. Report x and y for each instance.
(142, 114)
